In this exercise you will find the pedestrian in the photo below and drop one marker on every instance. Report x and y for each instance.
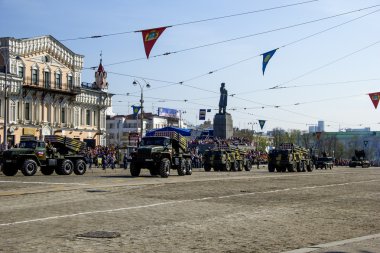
(104, 162)
(112, 161)
(125, 161)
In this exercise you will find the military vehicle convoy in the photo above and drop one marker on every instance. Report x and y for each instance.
(359, 160)
(57, 153)
(324, 162)
(160, 153)
(225, 159)
(289, 157)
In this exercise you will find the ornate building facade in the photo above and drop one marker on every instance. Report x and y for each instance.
(42, 93)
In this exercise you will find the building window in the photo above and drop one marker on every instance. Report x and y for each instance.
(63, 115)
(27, 111)
(35, 76)
(21, 72)
(70, 81)
(111, 125)
(88, 117)
(58, 80)
(47, 79)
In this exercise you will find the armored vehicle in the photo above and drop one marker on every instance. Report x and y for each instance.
(359, 160)
(289, 157)
(226, 158)
(57, 153)
(160, 153)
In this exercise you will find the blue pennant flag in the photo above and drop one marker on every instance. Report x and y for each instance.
(261, 123)
(136, 110)
(266, 57)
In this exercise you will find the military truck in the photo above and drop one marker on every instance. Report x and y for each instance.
(160, 153)
(289, 157)
(324, 162)
(226, 158)
(359, 160)
(57, 153)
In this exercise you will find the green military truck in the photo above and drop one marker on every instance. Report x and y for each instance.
(160, 153)
(226, 159)
(289, 157)
(57, 153)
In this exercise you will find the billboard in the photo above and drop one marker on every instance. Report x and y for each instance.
(166, 112)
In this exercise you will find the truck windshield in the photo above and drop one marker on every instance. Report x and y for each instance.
(28, 144)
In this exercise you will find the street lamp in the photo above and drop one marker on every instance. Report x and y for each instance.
(135, 82)
(252, 123)
(5, 56)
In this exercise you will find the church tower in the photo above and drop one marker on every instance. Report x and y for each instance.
(101, 77)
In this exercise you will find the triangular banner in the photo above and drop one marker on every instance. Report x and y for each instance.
(266, 57)
(136, 110)
(150, 37)
(262, 123)
(375, 98)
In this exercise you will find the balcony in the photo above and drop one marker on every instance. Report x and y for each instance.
(41, 86)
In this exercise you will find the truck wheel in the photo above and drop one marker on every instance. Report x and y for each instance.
(182, 168)
(240, 165)
(80, 167)
(247, 166)
(165, 167)
(216, 168)
(235, 166)
(227, 166)
(29, 168)
(66, 168)
(291, 167)
(189, 167)
(47, 170)
(271, 167)
(207, 167)
(9, 171)
(135, 170)
(309, 168)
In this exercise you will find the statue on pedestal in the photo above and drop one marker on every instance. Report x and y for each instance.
(223, 99)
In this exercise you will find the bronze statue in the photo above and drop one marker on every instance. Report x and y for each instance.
(223, 99)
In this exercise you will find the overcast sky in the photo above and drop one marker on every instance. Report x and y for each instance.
(323, 77)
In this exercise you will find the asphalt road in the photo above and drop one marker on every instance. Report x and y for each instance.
(252, 211)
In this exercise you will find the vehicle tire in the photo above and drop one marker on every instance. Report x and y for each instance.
(291, 167)
(66, 168)
(9, 171)
(235, 166)
(29, 168)
(135, 169)
(217, 168)
(309, 168)
(271, 167)
(207, 167)
(248, 166)
(227, 166)
(189, 167)
(298, 167)
(181, 168)
(165, 168)
(278, 169)
(80, 167)
(240, 165)
(47, 171)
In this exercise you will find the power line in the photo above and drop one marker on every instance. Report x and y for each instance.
(194, 22)
(261, 33)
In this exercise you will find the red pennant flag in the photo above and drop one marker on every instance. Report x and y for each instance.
(150, 37)
(375, 98)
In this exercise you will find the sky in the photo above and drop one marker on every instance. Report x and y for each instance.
(323, 70)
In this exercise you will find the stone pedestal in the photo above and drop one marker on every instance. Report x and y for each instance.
(223, 127)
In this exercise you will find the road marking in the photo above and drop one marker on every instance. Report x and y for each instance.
(334, 244)
(47, 183)
(178, 202)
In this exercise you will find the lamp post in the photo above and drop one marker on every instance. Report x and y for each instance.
(5, 56)
(252, 123)
(135, 82)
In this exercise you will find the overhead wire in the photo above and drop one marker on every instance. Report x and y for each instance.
(261, 33)
(194, 22)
